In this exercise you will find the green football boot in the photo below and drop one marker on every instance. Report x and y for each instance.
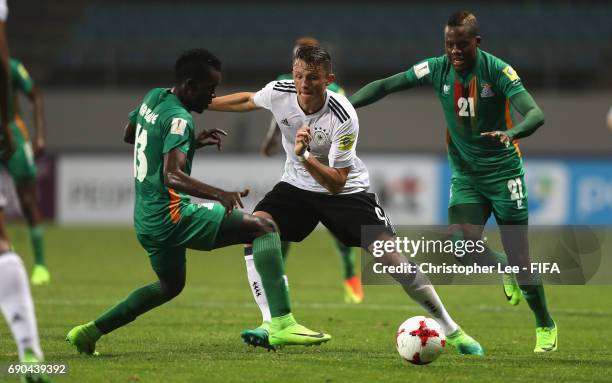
(282, 331)
(30, 358)
(512, 291)
(84, 338)
(546, 339)
(40, 275)
(257, 337)
(297, 335)
(464, 343)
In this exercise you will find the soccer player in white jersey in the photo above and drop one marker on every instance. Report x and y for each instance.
(15, 298)
(324, 181)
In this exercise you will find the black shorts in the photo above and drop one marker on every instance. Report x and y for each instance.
(297, 212)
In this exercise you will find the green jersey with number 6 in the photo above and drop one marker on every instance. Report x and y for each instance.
(162, 124)
(475, 103)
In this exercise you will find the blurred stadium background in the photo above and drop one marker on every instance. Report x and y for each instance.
(94, 60)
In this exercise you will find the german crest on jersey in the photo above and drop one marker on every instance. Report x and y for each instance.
(320, 135)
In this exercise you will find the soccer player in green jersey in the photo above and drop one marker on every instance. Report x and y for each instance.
(167, 223)
(22, 167)
(353, 292)
(477, 92)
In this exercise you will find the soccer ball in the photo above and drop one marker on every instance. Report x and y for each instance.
(420, 340)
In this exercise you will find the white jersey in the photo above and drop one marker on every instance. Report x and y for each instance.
(334, 130)
(3, 10)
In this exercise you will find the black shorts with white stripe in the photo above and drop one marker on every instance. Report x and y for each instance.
(297, 212)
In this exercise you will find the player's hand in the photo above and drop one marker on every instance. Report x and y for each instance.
(502, 137)
(40, 146)
(302, 140)
(210, 137)
(232, 200)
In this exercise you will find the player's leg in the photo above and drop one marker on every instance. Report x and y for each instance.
(285, 206)
(353, 292)
(22, 168)
(511, 212)
(168, 264)
(344, 215)
(16, 303)
(468, 212)
(265, 265)
(28, 199)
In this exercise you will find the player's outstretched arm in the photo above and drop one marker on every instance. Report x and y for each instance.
(378, 89)
(177, 179)
(236, 102)
(332, 179)
(533, 117)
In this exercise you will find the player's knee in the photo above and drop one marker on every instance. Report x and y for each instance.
(461, 235)
(265, 226)
(172, 289)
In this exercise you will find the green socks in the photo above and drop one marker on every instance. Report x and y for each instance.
(285, 245)
(534, 295)
(348, 258)
(36, 236)
(269, 264)
(138, 302)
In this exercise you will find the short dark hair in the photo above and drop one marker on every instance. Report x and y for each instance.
(464, 18)
(314, 56)
(195, 64)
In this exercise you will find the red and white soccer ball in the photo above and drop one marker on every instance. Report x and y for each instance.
(420, 340)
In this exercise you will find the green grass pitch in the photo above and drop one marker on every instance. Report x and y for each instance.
(195, 337)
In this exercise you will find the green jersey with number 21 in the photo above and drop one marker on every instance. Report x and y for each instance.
(475, 103)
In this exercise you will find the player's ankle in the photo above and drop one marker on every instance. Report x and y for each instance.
(281, 322)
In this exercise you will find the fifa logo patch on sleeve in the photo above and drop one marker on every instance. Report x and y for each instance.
(23, 72)
(346, 142)
(421, 70)
(510, 73)
(178, 126)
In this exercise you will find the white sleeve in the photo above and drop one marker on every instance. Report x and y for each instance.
(3, 10)
(344, 141)
(263, 98)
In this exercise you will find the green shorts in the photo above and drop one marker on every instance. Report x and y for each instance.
(507, 197)
(21, 166)
(197, 229)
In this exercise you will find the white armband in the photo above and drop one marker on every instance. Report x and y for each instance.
(304, 156)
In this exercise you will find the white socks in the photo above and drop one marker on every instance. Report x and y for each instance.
(256, 286)
(17, 306)
(422, 292)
